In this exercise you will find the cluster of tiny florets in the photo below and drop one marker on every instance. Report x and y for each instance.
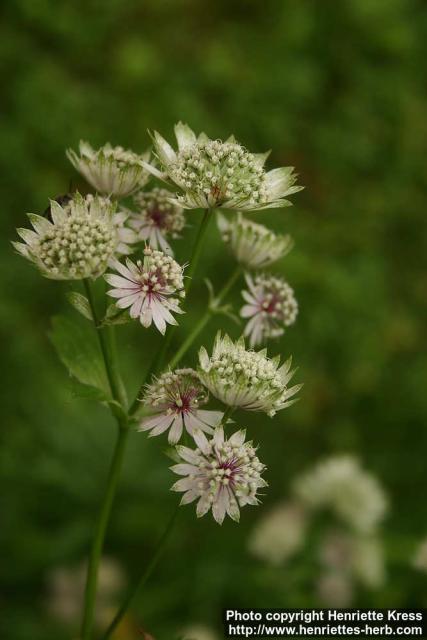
(79, 246)
(223, 171)
(156, 210)
(224, 474)
(159, 272)
(178, 391)
(227, 465)
(123, 157)
(279, 301)
(248, 379)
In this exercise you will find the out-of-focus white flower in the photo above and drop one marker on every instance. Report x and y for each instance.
(112, 171)
(212, 173)
(335, 589)
(174, 400)
(66, 591)
(253, 245)
(149, 288)
(360, 557)
(79, 242)
(157, 218)
(279, 533)
(270, 305)
(246, 379)
(353, 494)
(198, 632)
(222, 474)
(420, 556)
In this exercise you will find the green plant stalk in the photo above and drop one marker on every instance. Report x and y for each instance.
(144, 577)
(105, 339)
(158, 361)
(107, 345)
(153, 562)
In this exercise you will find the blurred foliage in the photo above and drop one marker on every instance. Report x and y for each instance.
(336, 89)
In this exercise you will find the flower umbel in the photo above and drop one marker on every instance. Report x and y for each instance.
(175, 399)
(212, 173)
(246, 379)
(253, 245)
(112, 171)
(271, 306)
(222, 474)
(77, 244)
(353, 494)
(157, 218)
(149, 288)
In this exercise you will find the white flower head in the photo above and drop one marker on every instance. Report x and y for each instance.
(270, 306)
(420, 557)
(150, 289)
(112, 171)
(246, 379)
(340, 484)
(78, 242)
(174, 400)
(212, 173)
(253, 245)
(221, 473)
(279, 534)
(360, 557)
(157, 218)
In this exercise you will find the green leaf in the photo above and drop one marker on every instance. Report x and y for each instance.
(78, 350)
(81, 303)
(114, 315)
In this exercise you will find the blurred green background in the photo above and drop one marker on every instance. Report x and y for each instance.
(337, 89)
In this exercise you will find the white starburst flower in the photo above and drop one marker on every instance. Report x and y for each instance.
(78, 241)
(157, 218)
(271, 306)
(246, 379)
(221, 473)
(212, 173)
(174, 400)
(151, 289)
(253, 245)
(279, 534)
(340, 484)
(112, 171)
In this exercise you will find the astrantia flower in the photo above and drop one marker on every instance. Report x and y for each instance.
(212, 173)
(112, 171)
(149, 288)
(271, 306)
(78, 242)
(253, 245)
(353, 494)
(174, 399)
(157, 218)
(125, 235)
(246, 379)
(222, 474)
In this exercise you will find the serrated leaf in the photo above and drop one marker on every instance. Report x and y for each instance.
(81, 303)
(78, 350)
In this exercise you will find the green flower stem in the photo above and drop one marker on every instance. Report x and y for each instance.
(211, 310)
(144, 577)
(101, 527)
(105, 338)
(107, 345)
(159, 359)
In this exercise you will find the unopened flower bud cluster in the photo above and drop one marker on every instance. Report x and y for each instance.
(176, 389)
